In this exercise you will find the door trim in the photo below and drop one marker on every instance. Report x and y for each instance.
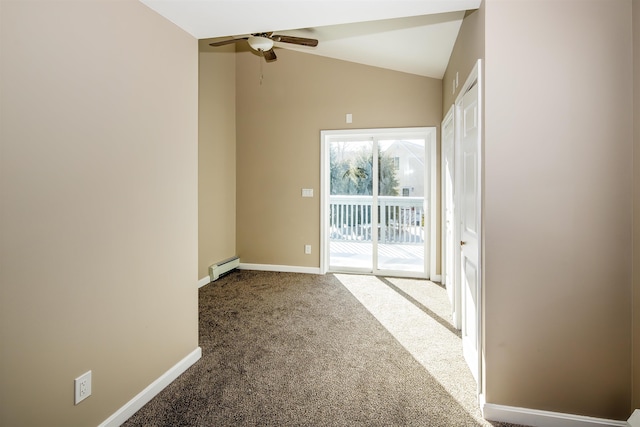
(430, 146)
(454, 262)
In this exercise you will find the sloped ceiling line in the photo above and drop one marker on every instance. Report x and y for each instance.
(415, 37)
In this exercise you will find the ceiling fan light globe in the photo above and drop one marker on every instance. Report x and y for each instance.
(260, 43)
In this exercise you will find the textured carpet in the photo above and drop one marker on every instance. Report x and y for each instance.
(286, 349)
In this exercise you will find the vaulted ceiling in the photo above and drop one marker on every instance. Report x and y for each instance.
(404, 35)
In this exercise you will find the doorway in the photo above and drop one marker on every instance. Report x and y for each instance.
(462, 216)
(378, 212)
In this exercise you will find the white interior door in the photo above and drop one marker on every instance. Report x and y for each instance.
(449, 231)
(469, 199)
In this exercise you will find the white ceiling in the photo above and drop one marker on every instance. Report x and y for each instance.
(413, 36)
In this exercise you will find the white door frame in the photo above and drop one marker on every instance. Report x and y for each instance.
(430, 145)
(450, 263)
(474, 78)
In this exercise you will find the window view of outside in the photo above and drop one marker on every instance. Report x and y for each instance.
(400, 205)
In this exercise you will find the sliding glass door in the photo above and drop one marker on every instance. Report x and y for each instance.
(375, 202)
(401, 205)
(351, 201)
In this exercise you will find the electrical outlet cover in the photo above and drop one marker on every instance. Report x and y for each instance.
(82, 386)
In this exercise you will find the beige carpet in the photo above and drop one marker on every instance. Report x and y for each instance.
(285, 349)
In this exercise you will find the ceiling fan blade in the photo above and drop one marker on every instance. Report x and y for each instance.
(269, 55)
(227, 40)
(296, 40)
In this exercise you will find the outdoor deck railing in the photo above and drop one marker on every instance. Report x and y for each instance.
(400, 219)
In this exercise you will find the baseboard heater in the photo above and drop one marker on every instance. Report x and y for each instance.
(223, 267)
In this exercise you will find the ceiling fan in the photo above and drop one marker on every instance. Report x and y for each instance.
(263, 43)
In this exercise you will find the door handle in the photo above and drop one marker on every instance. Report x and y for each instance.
(462, 243)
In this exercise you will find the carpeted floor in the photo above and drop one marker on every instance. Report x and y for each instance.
(286, 349)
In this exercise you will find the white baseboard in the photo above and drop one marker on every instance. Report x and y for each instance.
(538, 418)
(142, 398)
(436, 278)
(279, 268)
(204, 281)
(634, 419)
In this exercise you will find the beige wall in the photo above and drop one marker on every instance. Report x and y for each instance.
(469, 47)
(216, 158)
(98, 182)
(278, 141)
(558, 206)
(636, 203)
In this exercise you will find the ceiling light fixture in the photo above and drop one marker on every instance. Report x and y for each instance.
(260, 43)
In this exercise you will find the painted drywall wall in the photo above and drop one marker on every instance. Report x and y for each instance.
(98, 182)
(636, 204)
(558, 206)
(216, 158)
(281, 109)
(469, 47)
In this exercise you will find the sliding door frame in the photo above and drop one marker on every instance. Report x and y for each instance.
(429, 134)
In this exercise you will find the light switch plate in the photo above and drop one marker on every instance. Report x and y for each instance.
(307, 192)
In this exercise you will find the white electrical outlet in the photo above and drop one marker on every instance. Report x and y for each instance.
(83, 387)
(307, 249)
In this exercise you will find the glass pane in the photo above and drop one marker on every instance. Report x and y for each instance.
(401, 205)
(350, 200)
